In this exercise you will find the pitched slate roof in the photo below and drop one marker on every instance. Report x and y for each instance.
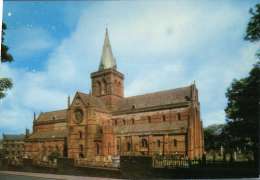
(172, 96)
(13, 136)
(92, 100)
(54, 134)
(170, 127)
(53, 115)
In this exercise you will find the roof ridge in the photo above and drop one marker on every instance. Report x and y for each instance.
(89, 95)
(82, 93)
(54, 111)
(14, 134)
(156, 92)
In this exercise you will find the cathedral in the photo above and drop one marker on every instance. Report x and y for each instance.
(103, 124)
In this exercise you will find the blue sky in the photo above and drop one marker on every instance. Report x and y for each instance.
(157, 45)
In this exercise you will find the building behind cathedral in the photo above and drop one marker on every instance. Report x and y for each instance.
(104, 124)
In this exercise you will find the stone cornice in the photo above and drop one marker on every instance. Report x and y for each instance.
(106, 71)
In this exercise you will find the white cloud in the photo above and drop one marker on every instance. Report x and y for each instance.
(157, 46)
(215, 117)
(28, 41)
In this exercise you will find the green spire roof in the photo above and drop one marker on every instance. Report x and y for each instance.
(107, 59)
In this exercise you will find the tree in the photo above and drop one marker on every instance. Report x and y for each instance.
(5, 56)
(5, 83)
(243, 98)
(242, 110)
(212, 137)
(54, 155)
(253, 27)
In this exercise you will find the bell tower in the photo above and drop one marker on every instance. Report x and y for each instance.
(107, 82)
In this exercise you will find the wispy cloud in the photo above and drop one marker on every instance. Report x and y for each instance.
(157, 46)
(28, 41)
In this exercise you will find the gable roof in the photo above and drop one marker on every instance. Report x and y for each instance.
(169, 127)
(56, 134)
(53, 115)
(13, 137)
(92, 100)
(160, 98)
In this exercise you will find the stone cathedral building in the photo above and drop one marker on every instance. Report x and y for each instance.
(103, 124)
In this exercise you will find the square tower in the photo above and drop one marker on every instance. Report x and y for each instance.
(107, 82)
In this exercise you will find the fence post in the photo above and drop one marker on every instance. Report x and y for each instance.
(204, 160)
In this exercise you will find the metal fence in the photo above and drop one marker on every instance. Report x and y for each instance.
(174, 162)
(50, 164)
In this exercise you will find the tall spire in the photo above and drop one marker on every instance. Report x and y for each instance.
(107, 58)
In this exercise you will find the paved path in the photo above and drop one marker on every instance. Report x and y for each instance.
(51, 176)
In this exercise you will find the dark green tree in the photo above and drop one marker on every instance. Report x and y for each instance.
(212, 138)
(54, 155)
(253, 27)
(243, 99)
(242, 111)
(5, 83)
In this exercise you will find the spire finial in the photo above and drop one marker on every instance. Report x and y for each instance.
(107, 59)
(34, 116)
(106, 28)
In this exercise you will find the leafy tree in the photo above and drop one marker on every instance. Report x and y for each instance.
(253, 27)
(5, 56)
(212, 137)
(54, 155)
(243, 99)
(5, 83)
(242, 110)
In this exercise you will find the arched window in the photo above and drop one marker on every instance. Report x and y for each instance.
(97, 149)
(179, 116)
(108, 148)
(164, 118)
(80, 135)
(129, 146)
(81, 155)
(144, 143)
(175, 142)
(124, 122)
(115, 122)
(99, 88)
(158, 143)
(149, 119)
(133, 121)
(104, 88)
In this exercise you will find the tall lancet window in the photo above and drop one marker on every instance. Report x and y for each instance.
(104, 87)
(99, 88)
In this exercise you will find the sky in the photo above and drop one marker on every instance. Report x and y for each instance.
(158, 45)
